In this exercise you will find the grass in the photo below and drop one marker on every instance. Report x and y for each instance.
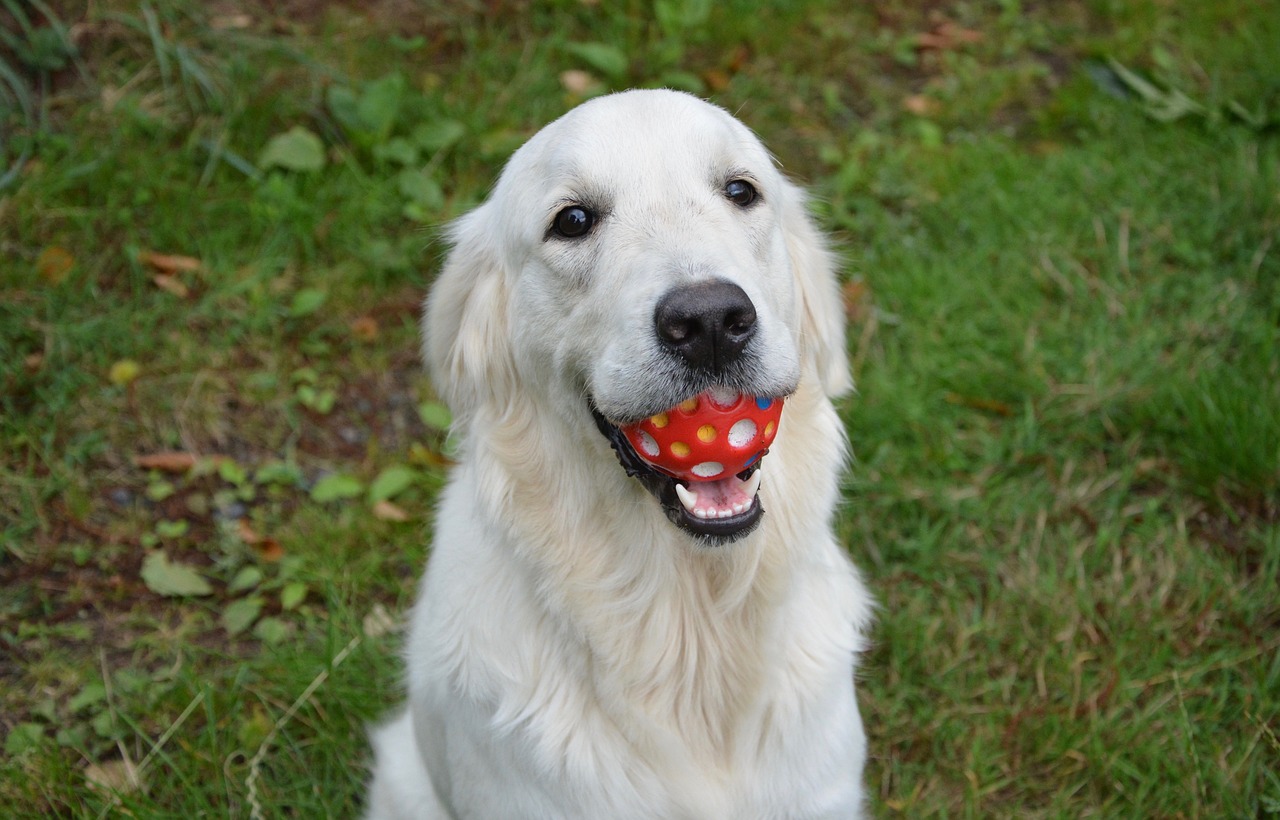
(1058, 222)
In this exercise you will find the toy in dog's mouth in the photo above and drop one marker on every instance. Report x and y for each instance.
(701, 459)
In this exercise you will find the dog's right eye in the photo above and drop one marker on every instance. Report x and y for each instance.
(573, 222)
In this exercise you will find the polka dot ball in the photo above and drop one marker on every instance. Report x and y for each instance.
(704, 439)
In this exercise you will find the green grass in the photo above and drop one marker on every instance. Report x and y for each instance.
(1065, 323)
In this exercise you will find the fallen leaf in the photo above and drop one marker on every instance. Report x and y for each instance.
(224, 22)
(946, 36)
(171, 284)
(989, 405)
(920, 105)
(119, 776)
(269, 550)
(166, 461)
(387, 511)
(247, 533)
(54, 263)
(170, 262)
(857, 300)
(716, 79)
(378, 622)
(576, 81)
(960, 34)
(365, 328)
(32, 362)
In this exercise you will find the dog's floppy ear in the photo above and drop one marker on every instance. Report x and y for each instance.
(819, 298)
(465, 332)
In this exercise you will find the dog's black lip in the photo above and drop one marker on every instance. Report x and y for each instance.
(710, 531)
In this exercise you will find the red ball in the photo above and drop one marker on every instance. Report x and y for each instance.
(702, 439)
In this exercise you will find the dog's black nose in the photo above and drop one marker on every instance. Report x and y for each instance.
(708, 324)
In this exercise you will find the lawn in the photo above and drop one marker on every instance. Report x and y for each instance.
(219, 457)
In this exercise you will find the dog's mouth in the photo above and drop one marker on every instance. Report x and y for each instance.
(716, 512)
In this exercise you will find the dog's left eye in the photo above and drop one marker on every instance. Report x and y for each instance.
(740, 192)
(573, 222)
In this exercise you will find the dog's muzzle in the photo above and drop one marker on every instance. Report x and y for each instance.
(716, 512)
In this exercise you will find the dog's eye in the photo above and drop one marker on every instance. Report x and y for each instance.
(573, 222)
(740, 192)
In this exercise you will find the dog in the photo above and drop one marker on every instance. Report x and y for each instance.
(587, 642)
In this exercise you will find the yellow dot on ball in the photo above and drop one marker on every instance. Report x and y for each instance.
(768, 430)
(689, 405)
(659, 420)
(679, 449)
(706, 434)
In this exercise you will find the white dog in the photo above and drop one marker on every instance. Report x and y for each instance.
(589, 642)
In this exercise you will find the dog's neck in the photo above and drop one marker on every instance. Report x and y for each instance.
(679, 632)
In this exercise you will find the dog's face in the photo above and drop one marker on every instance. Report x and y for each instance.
(639, 251)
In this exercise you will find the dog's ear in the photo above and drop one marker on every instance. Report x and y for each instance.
(820, 303)
(466, 340)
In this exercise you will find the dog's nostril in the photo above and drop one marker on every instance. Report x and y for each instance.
(708, 324)
(740, 322)
(676, 330)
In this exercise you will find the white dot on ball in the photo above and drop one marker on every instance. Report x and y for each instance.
(742, 432)
(649, 446)
(707, 469)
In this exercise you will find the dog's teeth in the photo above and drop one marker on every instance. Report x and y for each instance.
(687, 497)
(752, 485)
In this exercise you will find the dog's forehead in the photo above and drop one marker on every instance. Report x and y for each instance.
(640, 140)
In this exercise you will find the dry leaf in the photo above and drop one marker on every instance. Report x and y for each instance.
(365, 328)
(920, 105)
(947, 35)
(167, 461)
(171, 284)
(386, 511)
(977, 403)
(32, 362)
(378, 622)
(959, 34)
(269, 550)
(247, 533)
(169, 262)
(857, 300)
(54, 263)
(716, 79)
(576, 81)
(119, 776)
(225, 22)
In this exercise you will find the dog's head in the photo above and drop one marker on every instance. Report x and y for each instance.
(641, 250)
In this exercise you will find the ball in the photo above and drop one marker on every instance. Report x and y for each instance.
(707, 437)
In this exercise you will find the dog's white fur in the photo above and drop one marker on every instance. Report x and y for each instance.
(574, 654)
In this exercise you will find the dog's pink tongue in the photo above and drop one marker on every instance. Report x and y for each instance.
(719, 499)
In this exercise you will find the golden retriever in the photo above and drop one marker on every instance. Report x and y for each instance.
(588, 642)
